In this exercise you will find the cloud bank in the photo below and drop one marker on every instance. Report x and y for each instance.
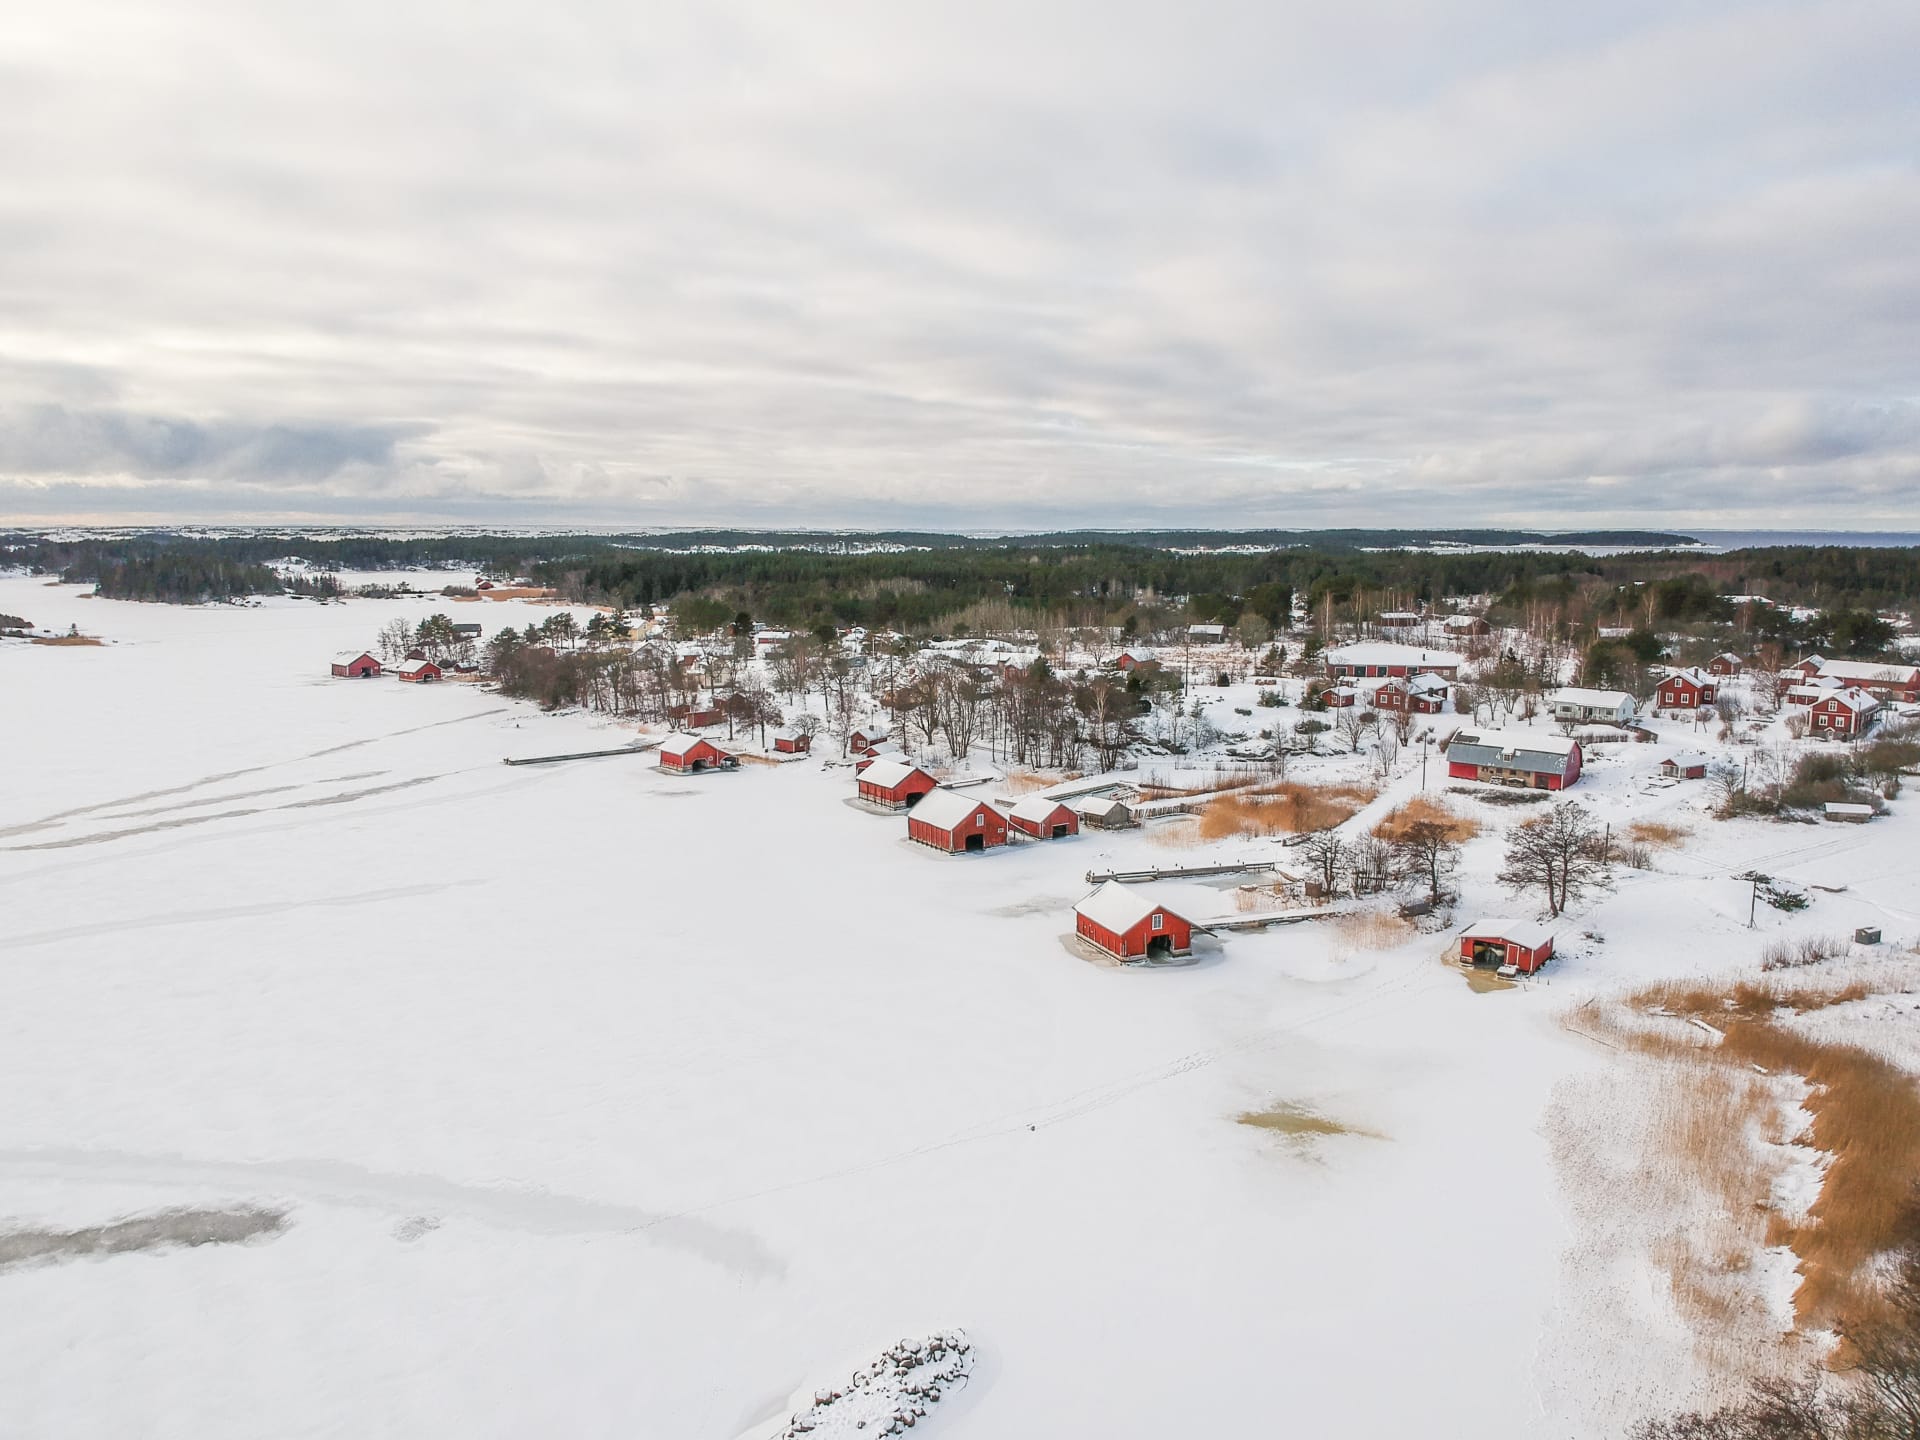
(969, 265)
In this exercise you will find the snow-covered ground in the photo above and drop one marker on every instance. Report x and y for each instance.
(602, 1102)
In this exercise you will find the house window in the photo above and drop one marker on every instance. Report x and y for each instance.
(979, 819)
(1159, 922)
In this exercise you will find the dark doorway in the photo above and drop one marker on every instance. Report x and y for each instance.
(1060, 832)
(912, 800)
(1489, 952)
(1160, 946)
(976, 842)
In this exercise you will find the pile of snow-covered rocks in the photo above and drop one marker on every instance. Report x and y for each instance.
(889, 1396)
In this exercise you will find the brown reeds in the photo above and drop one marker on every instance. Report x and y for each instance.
(1424, 809)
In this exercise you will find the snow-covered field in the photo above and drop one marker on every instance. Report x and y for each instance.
(607, 1103)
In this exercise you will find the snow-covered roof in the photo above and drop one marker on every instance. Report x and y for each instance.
(1207, 630)
(786, 732)
(874, 729)
(1530, 933)
(1846, 807)
(414, 667)
(1856, 700)
(882, 749)
(1869, 670)
(1462, 622)
(1691, 674)
(1515, 741)
(1103, 805)
(1386, 653)
(1119, 907)
(944, 809)
(889, 772)
(1035, 808)
(1139, 654)
(680, 744)
(347, 657)
(1590, 699)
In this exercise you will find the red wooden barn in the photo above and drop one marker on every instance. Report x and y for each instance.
(1687, 690)
(1416, 695)
(1523, 944)
(792, 742)
(355, 665)
(1726, 663)
(895, 783)
(1044, 818)
(950, 821)
(694, 754)
(1134, 658)
(418, 670)
(1129, 924)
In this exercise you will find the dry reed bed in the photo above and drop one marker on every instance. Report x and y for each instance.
(1726, 1100)
(1280, 808)
(1424, 809)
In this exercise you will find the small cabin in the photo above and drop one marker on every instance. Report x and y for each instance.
(1104, 812)
(1044, 818)
(355, 665)
(1726, 664)
(1848, 813)
(868, 736)
(1124, 921)
(792, 742)
(694, 755)
(1512, 946)
(418, 670)
(956, 823)
(1684, 767)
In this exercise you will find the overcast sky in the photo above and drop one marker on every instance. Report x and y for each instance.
(969, 264)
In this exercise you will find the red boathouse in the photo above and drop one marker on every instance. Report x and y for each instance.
(1127, 924)
(950, 821)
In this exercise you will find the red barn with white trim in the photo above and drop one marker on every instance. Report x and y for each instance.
(418, 670)
(792, 742)
(1524, 944)
(895, 783)
(694, 755)
(1044, 818)
(355, 665)
(956, 823)
(1843, 714)
(1128, 924)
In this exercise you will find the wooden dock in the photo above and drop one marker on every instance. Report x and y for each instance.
(1178, 872)
(1262, 919)
(639, 747)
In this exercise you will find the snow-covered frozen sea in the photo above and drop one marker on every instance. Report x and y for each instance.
(607, 1103)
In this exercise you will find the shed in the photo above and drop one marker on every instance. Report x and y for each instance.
(885, 750)
(1104, 812)
(693, 755)
(1127, 923)
(1848, 813)
(355, 665)
(1526, 945)
(895, 783)
(956, 823)
(792, 742)
(1726, 663)
(417, 670)
(1684, 767)
(1044, 818)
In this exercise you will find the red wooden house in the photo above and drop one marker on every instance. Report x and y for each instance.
(1523, 944)
(1684, 767)
(1842, 714)
(1524, 759)
(1129, 924)
(791, 742)
(1044, 818)
(693, 755)
(1686, 690)
(1416, 695)
(956, 823)
(868, 736)
(1134, 657)
(355, 665)
(896, 783)
(1726, 663)
(695, 719)
(417, 670)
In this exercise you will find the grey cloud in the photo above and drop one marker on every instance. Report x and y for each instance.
(871, 263)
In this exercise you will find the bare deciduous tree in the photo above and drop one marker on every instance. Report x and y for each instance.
(1560, 853)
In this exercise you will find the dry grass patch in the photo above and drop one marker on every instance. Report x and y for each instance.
(1424, 809)
(1025, 782)
(1368, 930)
(1723, 1096)
(1299, 1122)
(1281, 808)
(66, 640)
(1657, 834)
